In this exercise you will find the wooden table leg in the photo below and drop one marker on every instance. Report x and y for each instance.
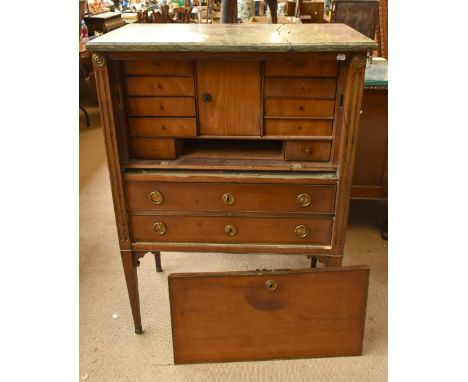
(313, 262)
(157, 258)
(131, 277)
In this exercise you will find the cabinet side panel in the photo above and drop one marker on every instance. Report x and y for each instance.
(350, 123)
(106, 108)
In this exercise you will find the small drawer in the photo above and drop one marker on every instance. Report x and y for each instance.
(324, 88)
(301, 68)
(229, 197)
(162, 127)
(230, 229)
(160, 86)
(282, 107)
(307, 150)
(166, 68)
(153, 148)
(161, 106)
(297, 127)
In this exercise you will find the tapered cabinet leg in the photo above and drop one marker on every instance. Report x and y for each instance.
(157, 258)
(313, 262)
(131, 277)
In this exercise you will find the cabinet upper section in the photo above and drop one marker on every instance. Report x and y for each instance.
(233, 38)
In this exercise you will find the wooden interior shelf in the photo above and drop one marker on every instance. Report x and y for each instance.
(231, 149)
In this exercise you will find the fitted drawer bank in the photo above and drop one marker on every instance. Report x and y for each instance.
(238, 139)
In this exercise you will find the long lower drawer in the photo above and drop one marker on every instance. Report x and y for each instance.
(231, 229)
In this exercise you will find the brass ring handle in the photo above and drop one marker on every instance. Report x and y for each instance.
(160, 228)
(230, 230)
(303, 200)
(156, 197)
(271, 285)
(302, 230)
(228, 199)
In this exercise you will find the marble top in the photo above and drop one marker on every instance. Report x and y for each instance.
(377, 73)
(233, 38)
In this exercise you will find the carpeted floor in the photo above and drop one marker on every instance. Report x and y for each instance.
(109, 349)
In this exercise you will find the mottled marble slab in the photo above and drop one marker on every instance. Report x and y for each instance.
(232, 38)
(377, 73)
(325, 37)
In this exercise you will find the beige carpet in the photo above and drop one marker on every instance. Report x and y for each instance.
(109, 349)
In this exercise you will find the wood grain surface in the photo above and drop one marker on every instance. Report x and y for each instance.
(233, 316)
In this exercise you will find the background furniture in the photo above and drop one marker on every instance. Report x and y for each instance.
(243, 147)
(370, 173)
(103, 22)
(361, 15)
(314, 9)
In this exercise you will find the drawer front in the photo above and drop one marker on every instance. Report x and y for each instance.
(224, 229)
(301, 69)
(307, 150)
(324, 88)
(299, 108)
(160, 86)
(162, 127)
(161, 106)
(153, 148)
(297, 127)
(166, 196)
(166, 68)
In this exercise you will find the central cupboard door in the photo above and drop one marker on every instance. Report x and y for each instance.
(229, 97)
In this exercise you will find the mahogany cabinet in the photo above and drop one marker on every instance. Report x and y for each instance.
(235, 139)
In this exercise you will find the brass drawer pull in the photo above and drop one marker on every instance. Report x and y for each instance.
(302, 230)
(161, 107)
(156, 197)
(303, 200)
(158, 86)
(301, 107)
(228, 199)
(271, 285)
(230, 230)
(159, 228)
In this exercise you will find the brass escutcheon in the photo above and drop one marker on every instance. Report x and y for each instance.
(156, 197)
(302, 230)
(303, 200)
(159, 228)
(271, 285)
(228, 199)
(230, 230)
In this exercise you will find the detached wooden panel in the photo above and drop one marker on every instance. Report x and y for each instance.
(300, 87)
(307, 150)
(301, 69)
(161, 106)
(229, 98)
(153, 148)
(231, 229)
(298, 127)
(167, 127)
(165, 67)
(241, 316)
(283, 107)
(160, 86)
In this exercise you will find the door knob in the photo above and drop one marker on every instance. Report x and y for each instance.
(207, 97)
